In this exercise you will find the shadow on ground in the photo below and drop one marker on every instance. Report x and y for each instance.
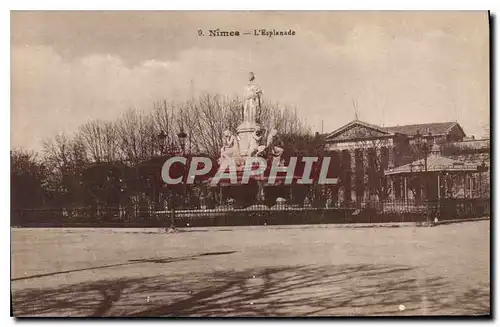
(128, 263)
(276, 291)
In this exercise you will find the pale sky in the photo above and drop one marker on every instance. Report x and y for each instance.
(399, 67)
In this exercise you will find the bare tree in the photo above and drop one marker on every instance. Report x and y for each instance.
(205, 119)
(65, 159)
(100, 141)
(164, 121)
(284, 119)
(28, 177)
(25, 162)
(137, 136)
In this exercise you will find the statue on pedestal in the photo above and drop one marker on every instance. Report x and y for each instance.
(250, 139)
(252, 100)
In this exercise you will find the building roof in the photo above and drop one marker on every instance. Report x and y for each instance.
(435, 162)
(343, 129)
(410, 130)
(433, 128)
(476, 144)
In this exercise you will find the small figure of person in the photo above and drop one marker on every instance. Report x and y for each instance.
(307, 202)
(329, 203)
(203, 202)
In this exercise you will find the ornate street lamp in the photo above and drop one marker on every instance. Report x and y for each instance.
(423, 146)
(162, 136)
(182, 140)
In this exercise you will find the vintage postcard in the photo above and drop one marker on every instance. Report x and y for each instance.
(250, 163)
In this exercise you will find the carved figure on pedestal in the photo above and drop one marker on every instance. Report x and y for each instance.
(229, 146)
(270, 147)
(255, 140)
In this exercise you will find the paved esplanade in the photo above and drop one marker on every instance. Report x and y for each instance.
(260, 270)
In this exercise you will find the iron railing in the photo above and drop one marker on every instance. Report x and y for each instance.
(148, 216)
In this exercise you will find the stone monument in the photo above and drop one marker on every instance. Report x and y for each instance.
(251, 109)
(251, 140)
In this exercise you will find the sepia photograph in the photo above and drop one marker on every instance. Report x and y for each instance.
(250, 164)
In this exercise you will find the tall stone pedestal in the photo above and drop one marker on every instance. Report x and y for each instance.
(245, 131)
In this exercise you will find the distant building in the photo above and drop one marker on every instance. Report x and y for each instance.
(362, 154)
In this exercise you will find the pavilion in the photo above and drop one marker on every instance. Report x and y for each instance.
(436, 182)
(433, 177)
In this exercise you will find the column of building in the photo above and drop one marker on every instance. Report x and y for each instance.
(393, 180)
(347, 176)
(342, 186)
(352, 155)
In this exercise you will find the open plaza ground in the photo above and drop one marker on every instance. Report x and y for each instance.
(315, 270)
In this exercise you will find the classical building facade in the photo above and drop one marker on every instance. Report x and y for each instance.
(363, 154)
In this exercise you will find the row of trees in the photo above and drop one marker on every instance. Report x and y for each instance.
(90, 165)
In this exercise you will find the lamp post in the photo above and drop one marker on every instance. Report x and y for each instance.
(161, 137)
(182, 141)
(422, 144)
